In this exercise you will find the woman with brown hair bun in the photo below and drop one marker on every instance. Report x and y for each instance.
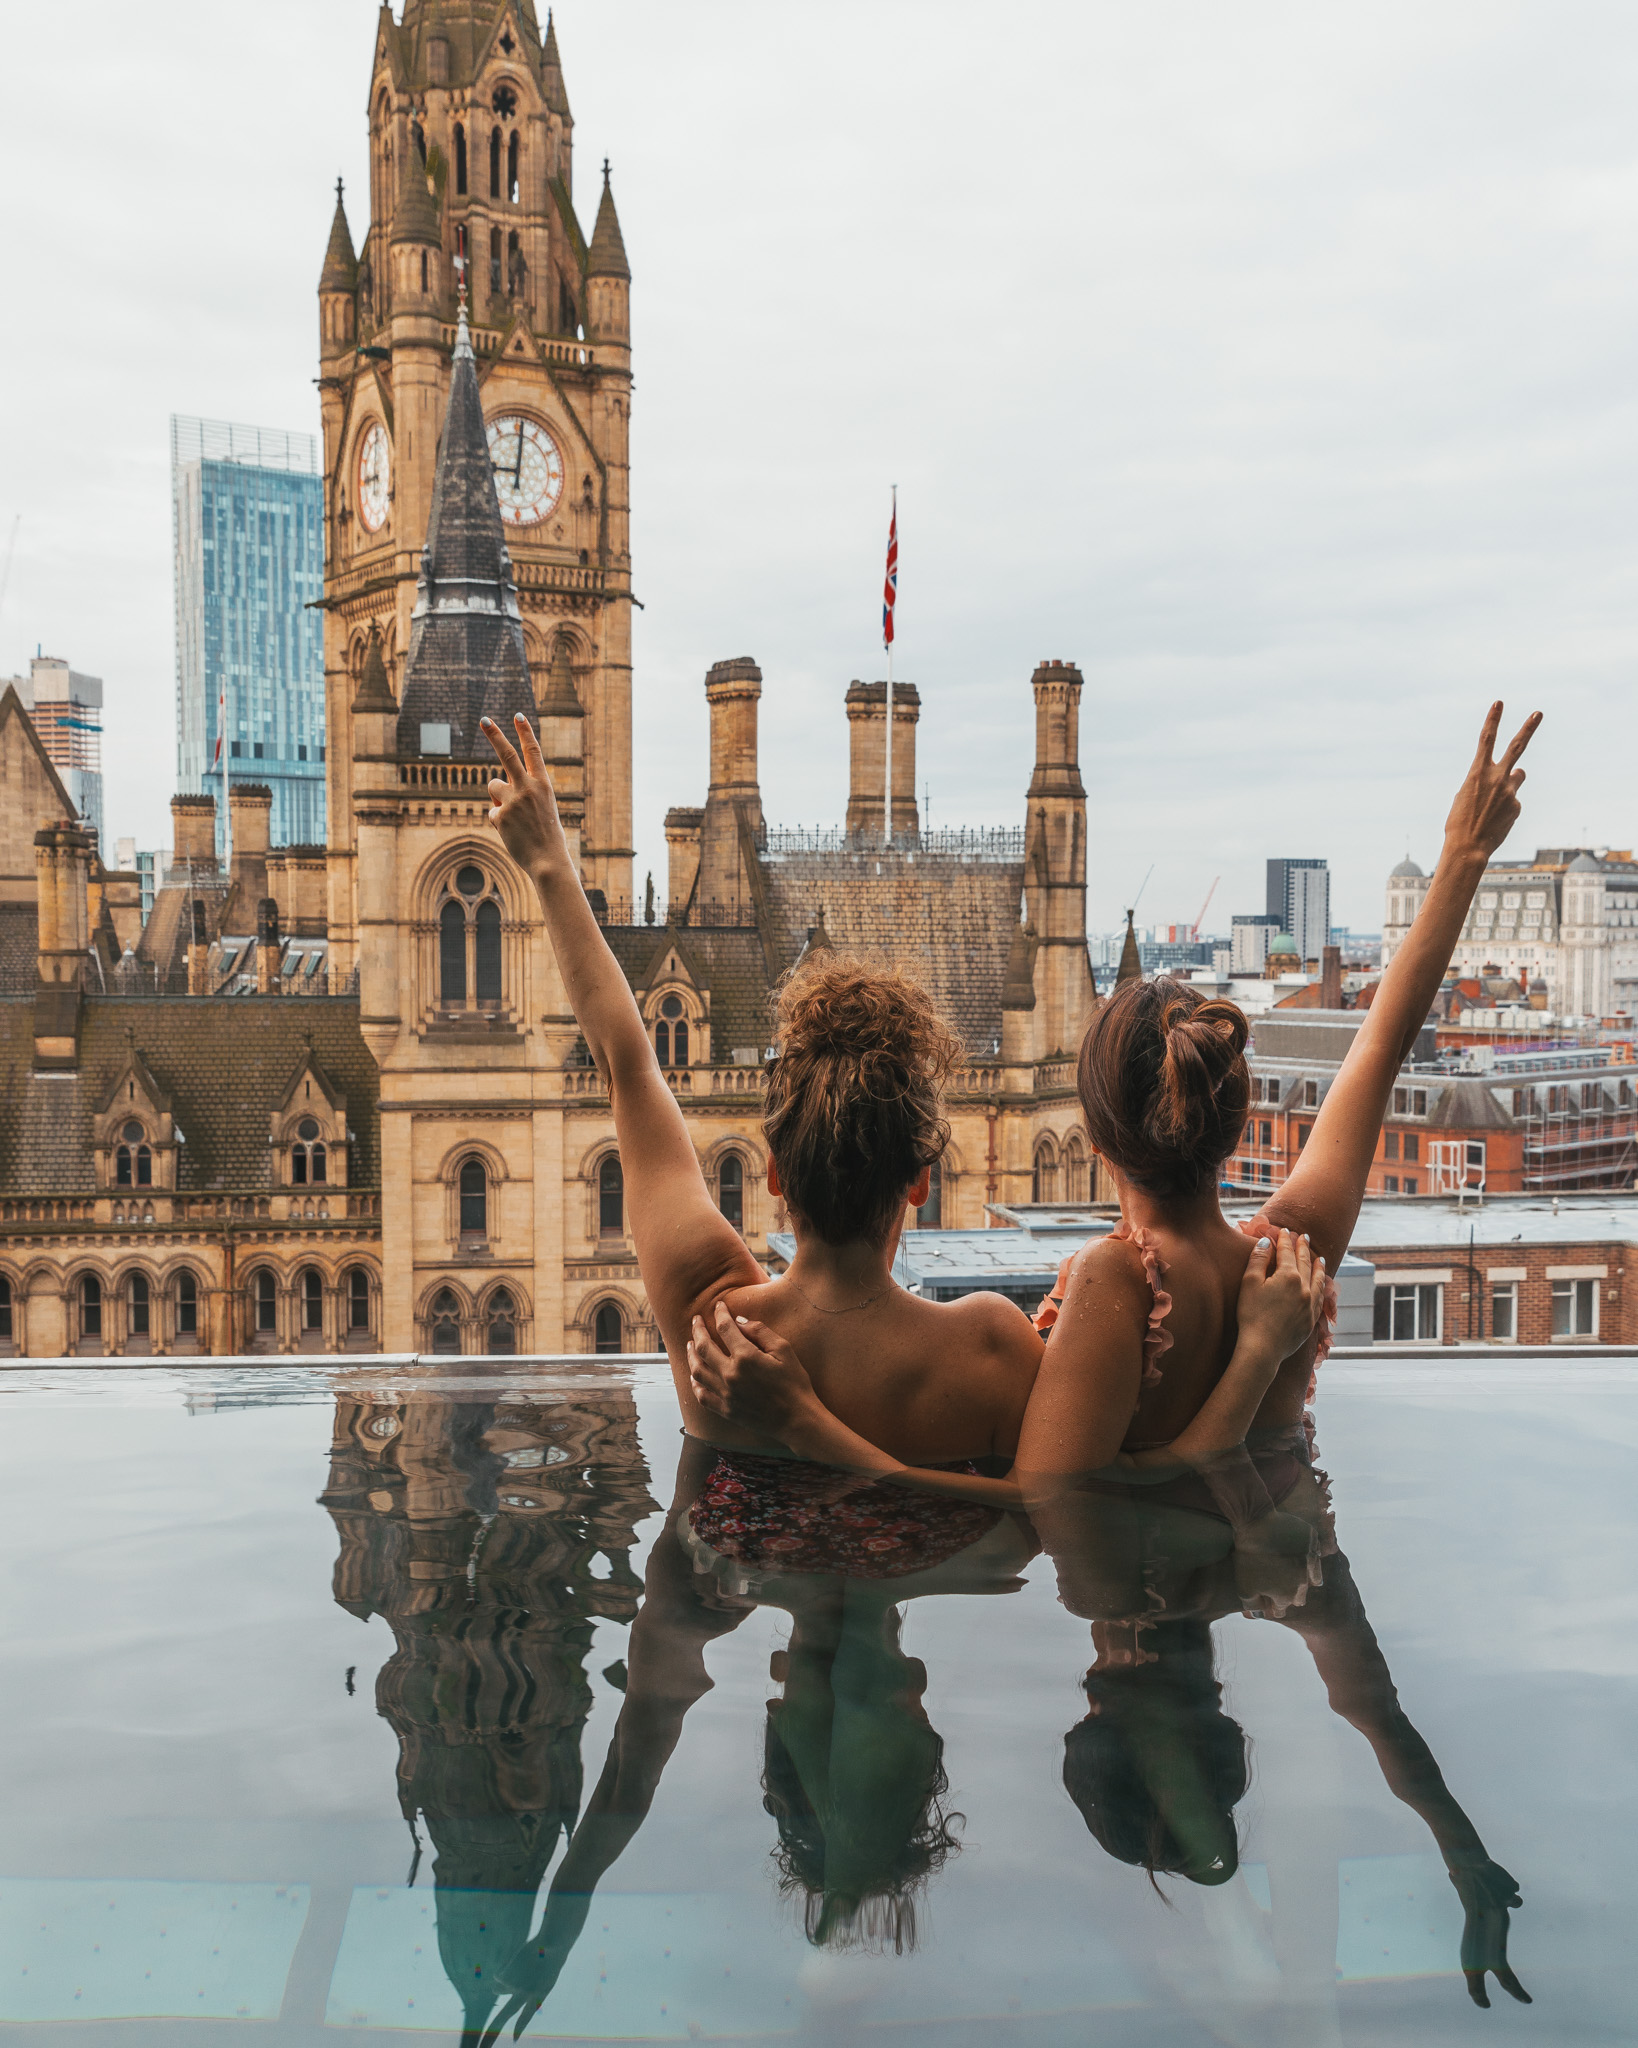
(853, 1129)
(1144, 1320)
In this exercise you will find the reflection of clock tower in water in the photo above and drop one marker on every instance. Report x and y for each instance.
(477, 562)
(471, 146)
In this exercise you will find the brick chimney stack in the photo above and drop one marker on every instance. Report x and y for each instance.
(193, 833)
(62, 869)
(250, 813)
(867, 760)
(733, 804)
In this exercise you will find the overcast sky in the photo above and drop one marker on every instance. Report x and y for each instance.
(1277, 363)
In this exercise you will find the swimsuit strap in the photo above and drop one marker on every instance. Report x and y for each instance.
(1157, 1339)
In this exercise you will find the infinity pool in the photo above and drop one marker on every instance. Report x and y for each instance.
(309, 1675)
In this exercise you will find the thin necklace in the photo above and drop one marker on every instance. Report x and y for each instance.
(852, 1308)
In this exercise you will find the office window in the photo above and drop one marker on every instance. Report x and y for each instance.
(1575, 1308)
(1310, 1095)
(1390, 1183)
(1413, 1146)
(1409, 1312)
(1411, 1184)
(1504, 1312)
(1265, 1133)
(1303, 1131)
(1390, 1145)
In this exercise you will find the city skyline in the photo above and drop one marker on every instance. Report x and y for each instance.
(1325, 524)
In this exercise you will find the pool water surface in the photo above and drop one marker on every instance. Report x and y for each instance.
(421, 1706)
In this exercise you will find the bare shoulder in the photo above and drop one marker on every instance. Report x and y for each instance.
(994, 1324)
(1108, 1263)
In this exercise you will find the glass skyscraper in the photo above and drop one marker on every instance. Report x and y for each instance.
(248, 523)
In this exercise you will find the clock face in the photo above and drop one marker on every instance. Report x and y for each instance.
(528, 469)
(374, 477)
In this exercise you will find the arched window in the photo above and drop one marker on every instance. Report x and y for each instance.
(731, 1189)
(452, 955)
(608, 1332)
(469, 941)
(5, 1311)
(671, 1033)
(446, 1324)
(474, 1199)
(460, 159)
(267, 1303)
(358, 1299)
(187, 1305)
(494, 164)
(309, 1162)
(495, 261)
(512, 168)
(90, 1306)
(1045, 1188)
(133, 1162)
(139, 1305)
(930, 1216)
(487, 932)
(1075, 1175)
(423, 270)
(502, 1336)
(611, 1198)
(312, 1298)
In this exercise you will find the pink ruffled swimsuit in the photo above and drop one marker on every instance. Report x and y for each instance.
(1157, 1339)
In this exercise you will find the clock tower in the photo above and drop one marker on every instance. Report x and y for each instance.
(472, 178)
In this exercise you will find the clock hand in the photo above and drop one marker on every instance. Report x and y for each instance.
(517, 474)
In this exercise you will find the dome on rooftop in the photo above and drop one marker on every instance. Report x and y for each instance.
(1405, 870)
(1283, 943)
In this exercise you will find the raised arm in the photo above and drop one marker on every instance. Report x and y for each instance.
(1324, 1192)
(687, 1250)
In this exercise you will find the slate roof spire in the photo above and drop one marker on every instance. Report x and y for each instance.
(1131, 960)
(607, 256)
(417, 217)
(340, 272)
(466, 656)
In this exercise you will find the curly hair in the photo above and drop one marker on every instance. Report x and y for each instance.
(852, 1112)
(1164, 1084)
(875, 1915)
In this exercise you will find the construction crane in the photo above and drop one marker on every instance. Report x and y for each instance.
(1194, 929)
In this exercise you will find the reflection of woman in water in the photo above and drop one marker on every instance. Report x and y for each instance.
(1145, 1320)
(853, 1771)
(1157, 1767)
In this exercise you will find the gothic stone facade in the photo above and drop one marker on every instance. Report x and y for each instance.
(478, 562)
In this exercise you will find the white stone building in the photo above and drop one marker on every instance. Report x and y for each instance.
(1565, 925)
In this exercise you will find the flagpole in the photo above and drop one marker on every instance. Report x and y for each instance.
(887, 801)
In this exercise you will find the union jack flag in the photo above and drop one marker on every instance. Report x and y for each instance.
(890, 590)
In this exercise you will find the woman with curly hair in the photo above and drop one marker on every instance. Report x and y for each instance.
(853, 1128)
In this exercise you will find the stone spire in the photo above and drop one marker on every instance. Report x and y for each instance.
(1131, 961)
(416, 219)
(340, 272)
(607, 256)
(466, 655)
(551, 64)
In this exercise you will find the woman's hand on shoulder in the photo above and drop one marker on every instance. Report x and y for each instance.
(747, 1373)
(1282, 1294)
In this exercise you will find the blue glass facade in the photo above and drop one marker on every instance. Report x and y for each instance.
(248, 507)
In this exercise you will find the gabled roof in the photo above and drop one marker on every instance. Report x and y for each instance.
(11, 706)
